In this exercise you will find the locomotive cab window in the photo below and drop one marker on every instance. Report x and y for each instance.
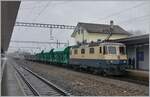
(75, 51)
(100, 50)
(112, 50)
(122, 50)
(91, 50)
(82, 51)
(104, 49)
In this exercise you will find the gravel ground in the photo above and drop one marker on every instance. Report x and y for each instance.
(83, 84)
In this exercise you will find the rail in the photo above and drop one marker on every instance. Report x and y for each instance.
(3, 63)
(34, 91)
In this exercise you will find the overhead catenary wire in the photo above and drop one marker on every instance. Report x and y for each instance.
(56, 26)
(122, 11)
(135, 18)
(42, 10)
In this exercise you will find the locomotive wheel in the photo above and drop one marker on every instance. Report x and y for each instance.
(104, 73)
(95, 72)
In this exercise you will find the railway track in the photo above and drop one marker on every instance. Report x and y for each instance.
(38, 85)
(121, 78)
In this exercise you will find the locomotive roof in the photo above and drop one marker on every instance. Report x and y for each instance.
(111, 43)
(97, 44)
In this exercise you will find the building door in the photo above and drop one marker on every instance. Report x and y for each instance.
(137, 58)
(140, 58)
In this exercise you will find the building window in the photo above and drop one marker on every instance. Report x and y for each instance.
(100, 49)
(82, 51)
(75, 51)
(91, 50)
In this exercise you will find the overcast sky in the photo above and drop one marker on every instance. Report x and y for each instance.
(127, 14)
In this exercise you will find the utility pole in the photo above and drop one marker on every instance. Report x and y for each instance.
(57, 44)
(51, 37)
(68, 42)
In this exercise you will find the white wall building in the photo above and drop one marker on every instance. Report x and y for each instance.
(88, 32)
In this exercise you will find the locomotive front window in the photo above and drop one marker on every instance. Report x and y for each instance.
(100, 50)
(104, 49)
(112, 50)
(91, 50)
(122, 50)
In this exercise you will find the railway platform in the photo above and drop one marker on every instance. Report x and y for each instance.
(10, 83)
(20, 81)
(139, 74)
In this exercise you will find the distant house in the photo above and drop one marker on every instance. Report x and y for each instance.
(89, 32)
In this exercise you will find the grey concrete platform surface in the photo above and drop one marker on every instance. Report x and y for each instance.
(10, 83)
(141, 74)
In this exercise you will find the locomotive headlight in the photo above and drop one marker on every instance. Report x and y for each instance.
(111, 61)
(124, 61)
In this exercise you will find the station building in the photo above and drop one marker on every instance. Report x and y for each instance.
(88, 32)
(137, 50)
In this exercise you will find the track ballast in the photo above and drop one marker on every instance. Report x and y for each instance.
(38, 85)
